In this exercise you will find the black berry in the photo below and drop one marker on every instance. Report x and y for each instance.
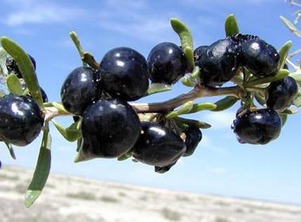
(21, 119)
(259, 57)
(109, 128)
(166, 63)
(257, 127)
(218, 62)
(12, 66)
(124, 74)
(80, 88)
(281, 93)
(193, 137)
(157, 146)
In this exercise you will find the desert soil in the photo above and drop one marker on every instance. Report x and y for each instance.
(77, 199)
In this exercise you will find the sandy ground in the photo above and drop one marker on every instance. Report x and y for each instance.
(77, 200)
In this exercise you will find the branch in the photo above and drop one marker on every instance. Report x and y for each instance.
(197, 92)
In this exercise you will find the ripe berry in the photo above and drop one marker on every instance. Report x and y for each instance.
(157, 146)
(193, 137)
(259, 57)
(218, 62)
(281, 93)
(124, 74)
(13, 68)
(257, 127)
(166, 63)
(109, 128)
(21, 119)
(199, 51)
(80, 88)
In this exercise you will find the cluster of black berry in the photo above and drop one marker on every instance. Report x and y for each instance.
(221, 61)
(110, 126)
(21, 118)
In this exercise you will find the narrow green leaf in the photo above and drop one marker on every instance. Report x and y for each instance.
(42, 169)
(71, 133)
(186, 39)
(26, 68)
(280, 75)
(202, 106)
(193, 78)
(283, 52)
(297, 100)
(14, 85)
(184, 109)
(158, 88)
(231, 26)
(291, 26)
(125, 156)
(225, 103)
(192, 122)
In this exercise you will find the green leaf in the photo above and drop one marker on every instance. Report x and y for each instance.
(225, 103)
(297, 100)
(186, 39)
(26, 68)
(42, 169)
(14, 85)
(291, 26)
(184, 109)
(192, 122)
(283, 52)
(125, 156)
(282, 73)
(202, 106)
(231, 26)
(158, 88)
(71, 133)
(193, 78)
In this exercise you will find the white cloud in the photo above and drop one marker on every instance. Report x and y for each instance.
(131, 18)
(36, 12)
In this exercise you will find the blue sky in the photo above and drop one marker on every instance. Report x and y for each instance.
(220, 165)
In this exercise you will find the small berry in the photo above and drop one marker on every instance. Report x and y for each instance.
(218, 62)
(80, 89)
(193, 137)
(21, 119)
(124, 74)
(166, 63)
(109, 128)
(259, 57)
(257, 127)
(157, 146)
(281, 93)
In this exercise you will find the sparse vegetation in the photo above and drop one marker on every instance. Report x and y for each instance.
(171, 214)
(82, 195)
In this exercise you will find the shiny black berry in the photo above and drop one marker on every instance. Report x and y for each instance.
(166, 63)
(21, 119)
(193, 137)
(124, 74)
(257, 127)
(13, 68)
(259, 57)
(199, 51)
(157, 146)
(281, 93)
(109, 128)
(80, 88)
(218, 62)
